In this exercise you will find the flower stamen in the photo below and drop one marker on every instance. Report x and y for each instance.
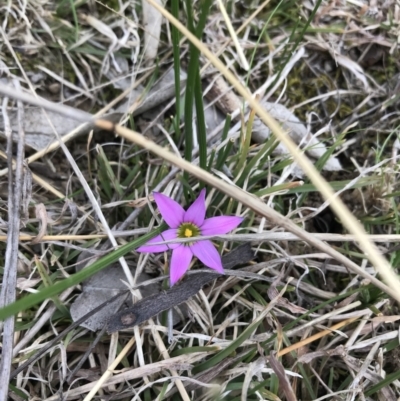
(188, 230)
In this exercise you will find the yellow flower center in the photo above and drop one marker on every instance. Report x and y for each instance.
(188, 230)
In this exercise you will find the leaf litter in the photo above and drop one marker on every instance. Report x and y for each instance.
(341, 79)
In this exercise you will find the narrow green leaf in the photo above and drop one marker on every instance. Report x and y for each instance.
(177, 66)
(189, 93)
(201, 123)
(224, 153)
(18, 392)
(191, 84)
(245, 145)
(389, 379)
(48, 282)
(190, 350)
(211, 159)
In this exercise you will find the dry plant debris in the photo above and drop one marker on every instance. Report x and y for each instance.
(293, 323)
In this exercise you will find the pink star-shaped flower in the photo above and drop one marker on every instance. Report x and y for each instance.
(186, 224)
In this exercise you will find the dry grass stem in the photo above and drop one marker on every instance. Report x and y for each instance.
(16, 182)
(256, 238)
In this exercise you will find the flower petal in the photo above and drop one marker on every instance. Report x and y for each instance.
(164, 236)
(180, 261)
(197, 210)
(220, 225)
(205, 251)
(171, 211)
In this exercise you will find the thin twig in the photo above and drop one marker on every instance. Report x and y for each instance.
(8, 293)
(237, 237)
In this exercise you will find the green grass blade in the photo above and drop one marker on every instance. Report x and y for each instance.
(390, 378)
(48, 282)
(190, 350)
(189, 93)
(245, 145)
(224, 153)
(201, 123)
(109, 176)
(221, 158)
(177, 66)
(191, 85)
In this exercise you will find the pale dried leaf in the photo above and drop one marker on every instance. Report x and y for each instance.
(254, 369)
(38, 132)
(228, 102)
(212, 116)
(162, 91)
(152, 29)
(25, 283)
(41, 215)
(101, 287)
(385, 319)
(100, 26)
(307, 358)
(284, 383)
(297, 131)
(140, 202)
(353, 67)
